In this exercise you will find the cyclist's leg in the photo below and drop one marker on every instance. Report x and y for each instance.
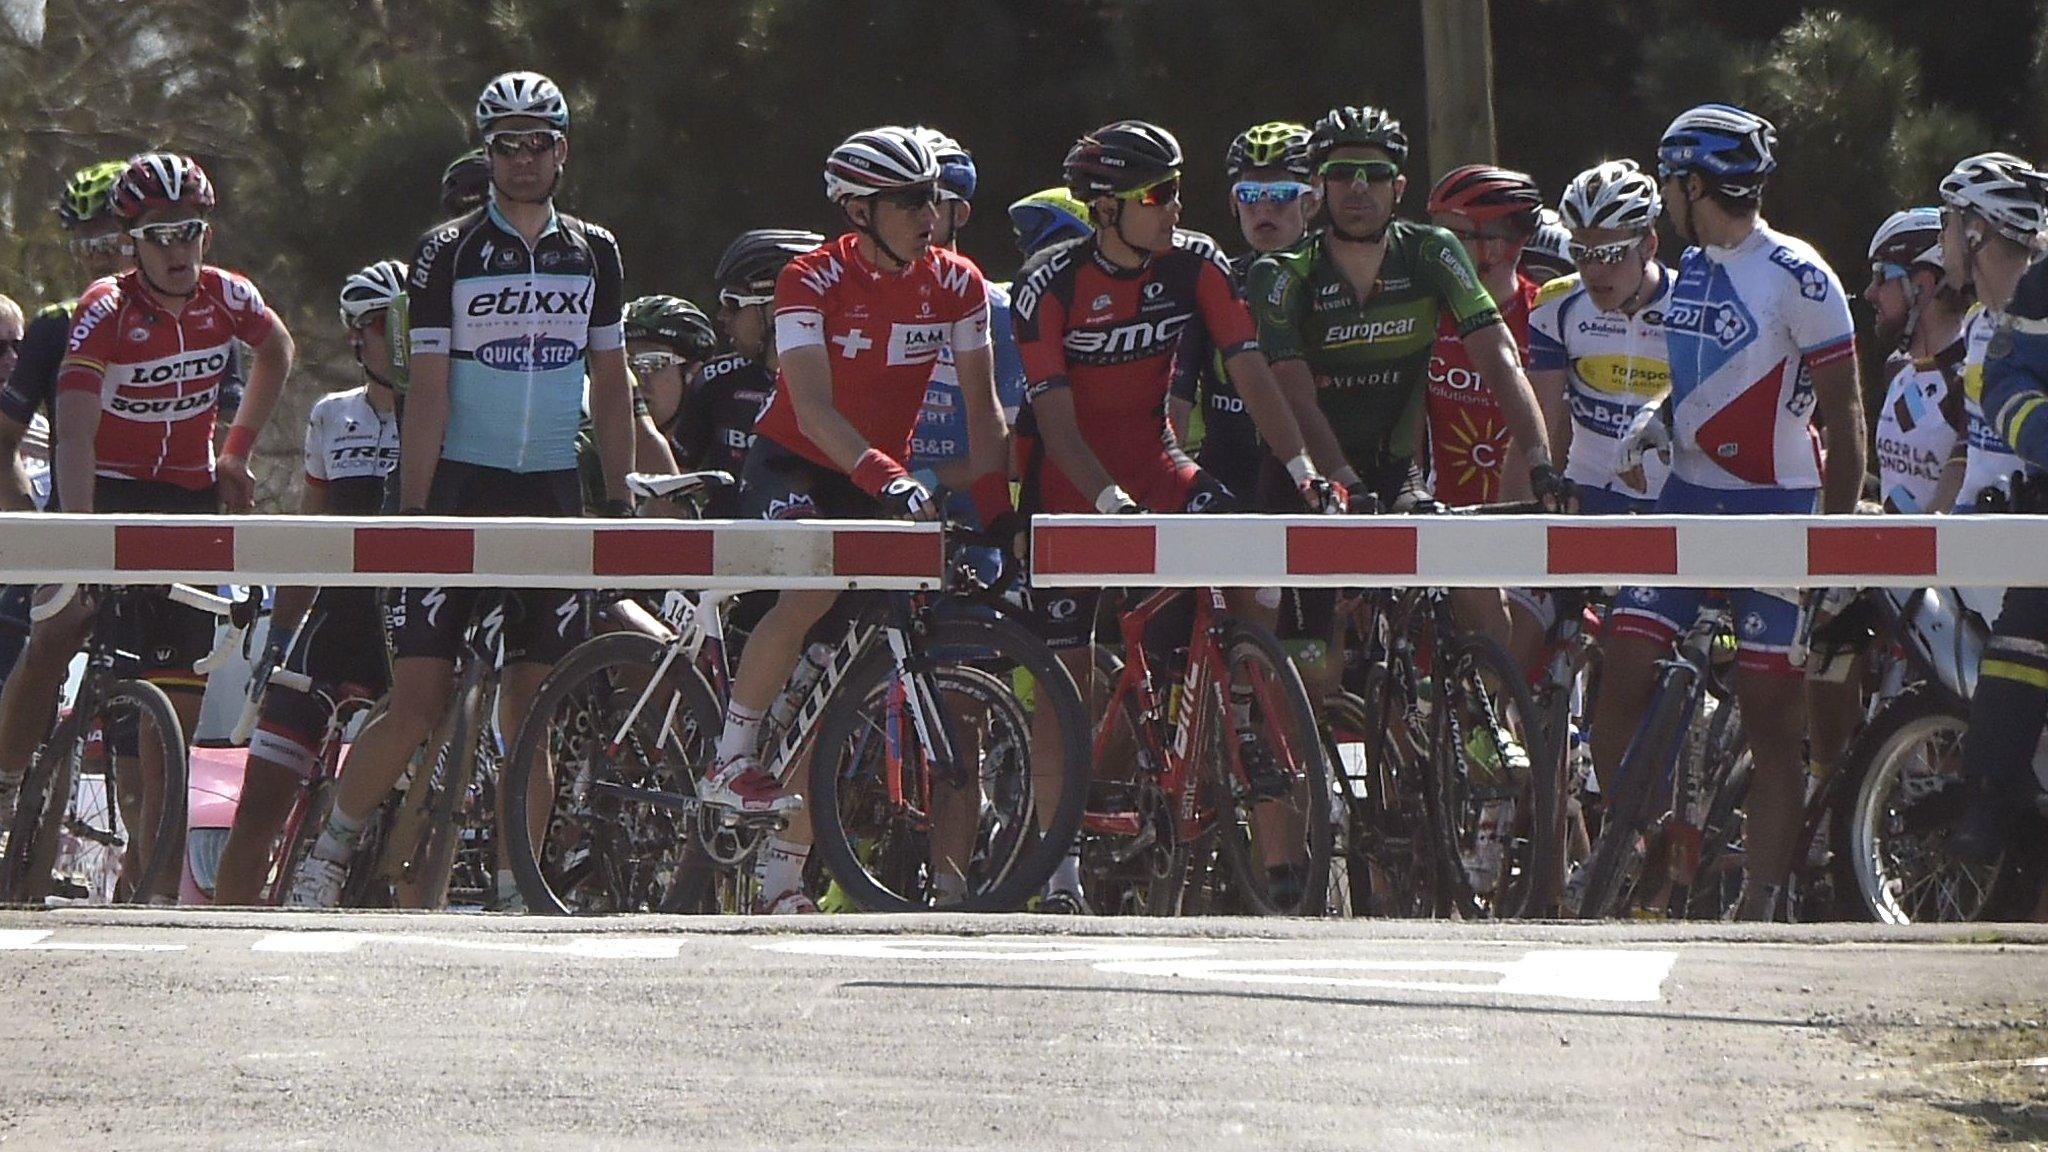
(282, 754)
(1772, 692)
(30, 694)
(170, 637)
(542, 627)
(1640, 632)
(2006, 717)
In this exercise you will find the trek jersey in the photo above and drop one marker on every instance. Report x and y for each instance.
(1989, 461)
(159, 375)
(1919, 425)
(1108, 335)
(1746, 326)
(350, 448)
(2015, 372)
(1369, 357)
(1613, 364)
(714, 426)
(517, 325)
(1468, 435)
(941, 435)
(883, 333)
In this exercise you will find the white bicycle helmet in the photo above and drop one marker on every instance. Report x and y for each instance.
(1614, 194)
(878, 160)
(2009, 193)
(371, 289)
(521, 94)
(1909, 237)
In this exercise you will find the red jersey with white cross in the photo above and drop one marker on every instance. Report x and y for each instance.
(1468, 435)
(158, 375)
(881, 331)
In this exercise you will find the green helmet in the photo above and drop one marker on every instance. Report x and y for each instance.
(1366, 125)
(89, 194)
(1276, 144)
(674, 322)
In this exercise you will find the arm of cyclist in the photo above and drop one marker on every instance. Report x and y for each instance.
(1549, 387)
(612, 425)
(1190, 358)
(1275, 413)
(273, 362)
(2016, 371)
(14, 486)
(1493, 353)
(76, 455)
(425, 423)
(1280, 313)
(988, 434)
(1839, 390)
(1052, 406)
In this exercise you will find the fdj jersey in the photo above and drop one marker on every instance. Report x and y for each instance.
(1990, 461)
(517, 325)
(350, 448)
(1918, 426)
(1614, 363)
(1468, 434)
(942, 425)
(1746, 327)
(1370, 356)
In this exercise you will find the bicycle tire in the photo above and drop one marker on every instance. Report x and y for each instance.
(1398, 851)
(1345, 713)
(443, 830)
(1474, 679)
(1551, 784)
(973, 640)
(25, 876)
(1726, 780)
(319, 800)
(1285, 700)
(1640, 773)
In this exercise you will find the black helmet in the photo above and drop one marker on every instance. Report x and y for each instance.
(1121, 157)
(1364, 125)
(752, 261)
(674, 322)
(465, 182)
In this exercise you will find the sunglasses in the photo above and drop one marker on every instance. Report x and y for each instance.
(108, 245)
(1353, 171)
(1884, 272)
(910, 199)
(370, 320)
(735, 300)
(1615, 253)
(1479, 235)
(1154, 195)
(169, 234)
(652, 363)
(1250, 192)
(533, 141)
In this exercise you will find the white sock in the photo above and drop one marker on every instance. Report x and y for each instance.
(782, 867)
(339, 838)
(508, 887)
(742, 726)
(1066, 877)
(947, 887)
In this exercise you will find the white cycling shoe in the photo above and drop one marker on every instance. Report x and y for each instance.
(317, 884)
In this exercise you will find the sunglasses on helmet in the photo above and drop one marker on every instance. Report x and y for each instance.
(1615, 253)
(171, 232)
(532, 140)
(1263, 192)
(1155, 194)
(1354, 171)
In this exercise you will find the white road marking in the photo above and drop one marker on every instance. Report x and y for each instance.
(592, 947)
(1625, 976)
(963, 948)
(38, 940)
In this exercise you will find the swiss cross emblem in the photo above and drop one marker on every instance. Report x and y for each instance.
(853, 343)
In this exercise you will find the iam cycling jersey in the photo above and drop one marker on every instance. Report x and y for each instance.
(517, 325)
(158, 375)
(1918, 426)
(941, 435)
(1369, 357)
(1745, 327)
(350, 448)
(882, 332)
(1989, 461)
(2015, 373)
(1468, 436)
(1614, 363)
(1108, 335)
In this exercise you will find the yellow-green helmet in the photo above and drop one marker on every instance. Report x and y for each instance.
(1048, 217)
(1275, 144)
(89, 194)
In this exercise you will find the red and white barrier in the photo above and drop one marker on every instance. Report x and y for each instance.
(1541, 551)
(458, 552)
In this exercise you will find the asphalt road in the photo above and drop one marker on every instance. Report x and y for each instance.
(237, 1030)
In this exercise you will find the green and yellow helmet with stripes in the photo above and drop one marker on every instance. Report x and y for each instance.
(1275, 144)
(1047, 217)
(89, 194)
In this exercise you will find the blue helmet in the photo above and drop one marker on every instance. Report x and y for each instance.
(1728, 145)
(956, 167)
(1048, 217)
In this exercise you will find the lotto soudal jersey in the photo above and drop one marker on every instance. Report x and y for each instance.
(1468, 435)
(158, 374)
(1990, 461)
(1613, 364)
(350, 448)
(1745, 327)
(714, 427)
(1370, 356)
(882, 333)
(517, 325)
(942, 425)
(1919, 425)
(1108, 335)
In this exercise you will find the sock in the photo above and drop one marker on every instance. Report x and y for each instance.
(742, 725)
(1066, 877)
(947, 888)
(508, 887)
(339, 839)
(782, 867)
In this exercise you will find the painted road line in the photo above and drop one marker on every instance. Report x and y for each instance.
(589, 947)
(38, 940)
(1624, 976)
(965, 948)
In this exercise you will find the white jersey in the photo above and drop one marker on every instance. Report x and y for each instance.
(1991, 461)
(1614, 363)
(350, 447)
(1746, 326)
(1918, 426)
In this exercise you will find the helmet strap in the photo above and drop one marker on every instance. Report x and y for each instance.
(1117, 226)
(874, 234)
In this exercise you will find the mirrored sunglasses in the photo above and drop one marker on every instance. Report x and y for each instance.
(1615, 253)
(1275, 192)
(533, 140)
(171, 232)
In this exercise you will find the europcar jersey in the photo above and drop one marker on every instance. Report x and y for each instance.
(942, 425)
(1746, 326)
(158, 375)
(1990, 461)
(350, 448)
(1918, 426)
(1370, 357)
(1468, 435)
(882, 332)
(517, 325)
(1614, 363)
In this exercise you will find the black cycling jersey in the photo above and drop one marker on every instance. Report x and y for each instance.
(32, 387)
(1230, 446)
(714, 425)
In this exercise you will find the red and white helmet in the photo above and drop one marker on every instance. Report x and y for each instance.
(161, 180)
(878, 160)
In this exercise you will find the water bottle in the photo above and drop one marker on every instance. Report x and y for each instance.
(809, 671)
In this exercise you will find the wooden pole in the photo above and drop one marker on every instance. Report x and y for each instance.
(1457, 48)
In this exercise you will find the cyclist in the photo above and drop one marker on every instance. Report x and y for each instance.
(1759, 333)
(1352, 312)
(1048, 217)
(351, 445)
(1920, 424)
(511, 306)
(668, 339)
(859, 324)
(136, 398)
(465, 183)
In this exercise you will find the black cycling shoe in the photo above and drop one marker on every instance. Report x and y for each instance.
(1283, 886)
(1060, 902)
(1980, 835)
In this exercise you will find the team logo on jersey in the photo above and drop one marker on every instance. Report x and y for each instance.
(799, 506)
(528, 353)
(1369, 332)
(924, 309)
(527, 300)
(821, 278)
(162, 410)
(550, 259)
(507, 259)
(1813, 283)
(1153, 290)
(1127, 341)
(1100, 303)
(176, 369)
(954, 278)
(240, 294)
(915, 343)
(1457, 269)
(138, 334)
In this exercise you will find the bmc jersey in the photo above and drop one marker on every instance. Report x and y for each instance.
(882, 332)
(1746, 327)
(158, 375)
(1108, 335)
(1918, 426)
(942, 426)
(1369, 357)
(1613, 364)
(1468, 436)
(350, 448)
(517, 325)
(1990, 461)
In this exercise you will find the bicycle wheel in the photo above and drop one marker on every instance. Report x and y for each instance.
(135, 717)
(1396, 873)
(1617, 854)
(1717, 884)
(460, 809)
(1481, 798)
(876, 798)
(1563, 707)
(315, 805)
(619, 834)
(25, 871)
(1346, 730)
(1274, 835)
